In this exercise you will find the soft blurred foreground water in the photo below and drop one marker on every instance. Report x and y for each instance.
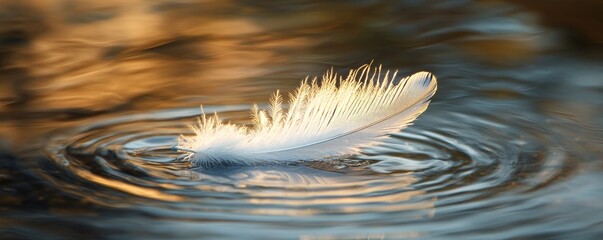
(510, 147)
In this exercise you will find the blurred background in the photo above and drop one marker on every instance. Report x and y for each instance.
(524, 75)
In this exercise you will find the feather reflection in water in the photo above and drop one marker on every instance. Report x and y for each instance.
(299, 190)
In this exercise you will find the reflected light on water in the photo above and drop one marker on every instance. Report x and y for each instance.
(510, 147)
(130, 189)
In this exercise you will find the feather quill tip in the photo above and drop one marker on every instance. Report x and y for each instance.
(331, 117)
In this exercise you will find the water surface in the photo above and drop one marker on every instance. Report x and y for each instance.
(510, 146)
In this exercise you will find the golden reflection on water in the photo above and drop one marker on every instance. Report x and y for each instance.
(104, 55)
(126, 187)
(112, 55)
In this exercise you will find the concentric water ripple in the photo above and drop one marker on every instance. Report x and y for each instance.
(447, 164)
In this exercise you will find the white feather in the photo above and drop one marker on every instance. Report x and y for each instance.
(336, 117)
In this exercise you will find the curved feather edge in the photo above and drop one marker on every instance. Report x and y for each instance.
(335, 117)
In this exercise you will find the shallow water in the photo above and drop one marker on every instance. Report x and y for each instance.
(510, 146)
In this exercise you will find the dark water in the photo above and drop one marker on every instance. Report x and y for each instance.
(510, 147)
